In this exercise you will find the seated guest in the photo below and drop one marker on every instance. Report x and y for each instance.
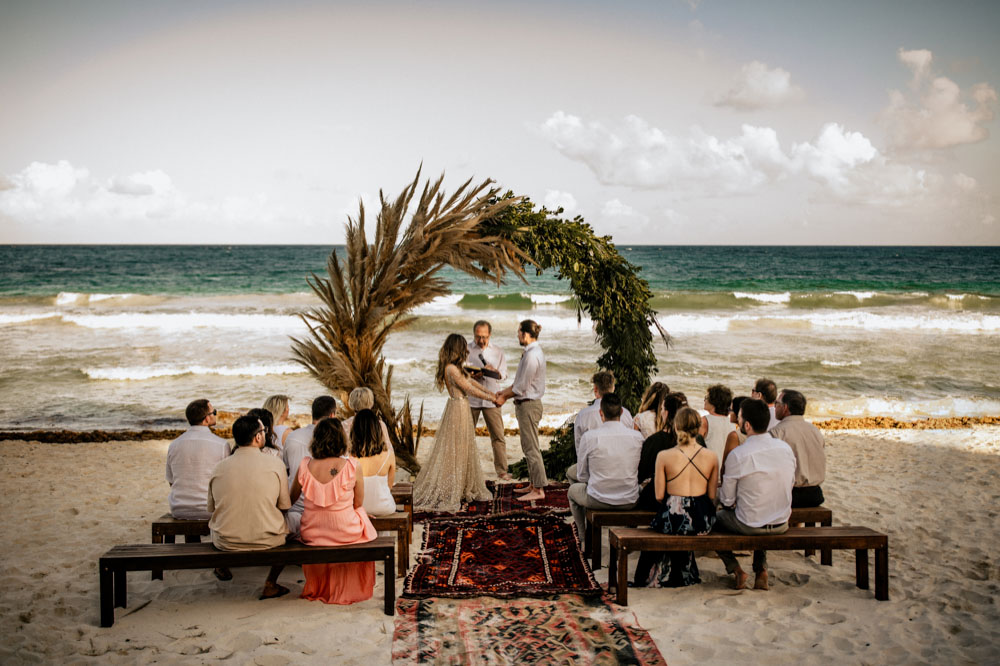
(264, 417)
(766, 390)
(190, 461)
(376, 461)
(606, 465)
(333, 516)
(647, 420)
(686, 481)
(716, 426)
(363, 398)
(297, 447)
(807, 444)
(756, 492)
(246, 495)
(662, 440)
(736, 437)
(590, 416)
(277, 405)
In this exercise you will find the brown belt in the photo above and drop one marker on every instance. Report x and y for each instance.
(521, 401)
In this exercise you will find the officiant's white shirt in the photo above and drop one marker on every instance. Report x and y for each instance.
(494, 356)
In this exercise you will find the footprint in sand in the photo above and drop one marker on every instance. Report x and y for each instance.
(831, 618)
(792, 579)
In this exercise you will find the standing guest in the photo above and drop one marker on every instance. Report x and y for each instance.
(647, 421)
(527, 391)
(736, 437)
(246, 495)
(376, 461)
(264, 416)
(297, 448)
(333, 516)
(807, 444)
(190, 461)
(686, 482)
(716, 426)
(277, 405)
(363, 398)
(766, 390)
(607, 464)
(756, 492)
(490, 358)
(590, 416)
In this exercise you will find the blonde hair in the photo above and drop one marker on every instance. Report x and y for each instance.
(652, 400)
(454, 351)
(361, 398)
(276, 405)
(687, 423)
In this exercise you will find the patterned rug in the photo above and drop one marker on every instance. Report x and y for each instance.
(510, 555)
(555, 502)
(564, 630)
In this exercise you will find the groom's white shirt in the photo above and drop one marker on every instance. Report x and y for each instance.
(529, 382)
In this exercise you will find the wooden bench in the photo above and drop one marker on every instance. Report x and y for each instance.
(402, 493)
(624, 540)
(114, 564)
(167, 528)
(598, 519)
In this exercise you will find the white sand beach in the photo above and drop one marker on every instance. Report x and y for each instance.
(935, 492)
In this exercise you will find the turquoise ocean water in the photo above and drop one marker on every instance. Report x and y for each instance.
(125, 336)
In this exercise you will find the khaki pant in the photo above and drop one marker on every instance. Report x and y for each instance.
(494, 424)
(580, 501)
(726, 518)
(528, 414)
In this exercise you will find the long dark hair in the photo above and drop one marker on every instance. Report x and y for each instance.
(329, 440)
(454, 351)
(268, 421)
(366, 434)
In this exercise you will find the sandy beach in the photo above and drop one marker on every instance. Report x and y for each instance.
(935, 492)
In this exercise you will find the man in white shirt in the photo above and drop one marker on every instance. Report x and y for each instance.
(590, 416)
(296, 448)
(484, 355)
(191, 458)
(756, 491)
(766, 390)
(527, 391)
(607, 466)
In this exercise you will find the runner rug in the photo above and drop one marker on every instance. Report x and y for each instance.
(564, 630)
(510, 555)
(503, 501)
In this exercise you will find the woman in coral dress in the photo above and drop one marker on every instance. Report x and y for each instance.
(333, 516)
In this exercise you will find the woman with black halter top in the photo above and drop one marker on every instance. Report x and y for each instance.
(686, 478)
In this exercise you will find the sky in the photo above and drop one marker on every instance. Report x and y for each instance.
(667, 122)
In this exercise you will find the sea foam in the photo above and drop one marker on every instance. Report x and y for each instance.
(765, 298)
(137, 373)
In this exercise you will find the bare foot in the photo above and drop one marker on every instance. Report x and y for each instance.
(760, 581)
(535, 494)
(503, 477)
(740, 579)
(523, 489)
(273, 591)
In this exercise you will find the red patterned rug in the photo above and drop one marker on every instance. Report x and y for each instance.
(510, 555)
(564, 630)
(503, 501)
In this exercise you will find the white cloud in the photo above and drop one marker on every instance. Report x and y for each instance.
(936, 115)
(758, 86)
(636, 155)
(693, 4)
(554, 199)
(615, 208)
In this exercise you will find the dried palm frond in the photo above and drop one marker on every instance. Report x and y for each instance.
(368, 293)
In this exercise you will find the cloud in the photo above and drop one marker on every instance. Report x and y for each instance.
(936, 115)
(693, 4)
(758, 86)
(554, 200)
(615, 208)
(964, 182)
(845, 163)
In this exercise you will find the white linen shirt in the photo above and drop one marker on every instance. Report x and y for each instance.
(758, 480)
(494, 356)
(297, 448)
(590, 418)
(529, 382)
(191, 459)
(609, 463)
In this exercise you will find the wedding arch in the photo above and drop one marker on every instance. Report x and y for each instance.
(371, 291)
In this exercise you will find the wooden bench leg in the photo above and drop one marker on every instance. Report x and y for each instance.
(622, 578)
(403, 551)
(388, 566)
(861, 565)
(588, 538)
(156, 574)
(809, 551)
(595, 546)
(107, 596)
(826, 554)
(121, 589)
(881, 573)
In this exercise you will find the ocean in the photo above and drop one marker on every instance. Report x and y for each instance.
(125, 336)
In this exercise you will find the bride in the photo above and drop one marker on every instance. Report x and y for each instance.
(452, 473)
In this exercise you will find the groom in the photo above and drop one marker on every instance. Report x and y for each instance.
(527, 391)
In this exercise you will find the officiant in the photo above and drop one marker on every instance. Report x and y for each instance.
(489, 368)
